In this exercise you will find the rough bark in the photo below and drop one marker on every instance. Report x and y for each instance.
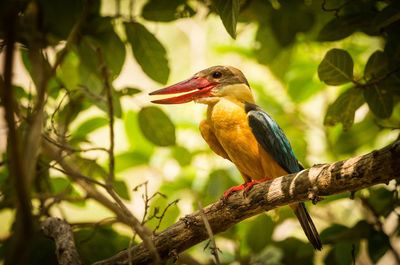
(321, 180)
(60, 231)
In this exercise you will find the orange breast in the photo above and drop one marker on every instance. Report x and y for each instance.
(228, 121)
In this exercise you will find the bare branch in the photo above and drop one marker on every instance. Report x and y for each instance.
(321, 180)
(60, 231)
(110, 105)
(214, 249)
(123, 214)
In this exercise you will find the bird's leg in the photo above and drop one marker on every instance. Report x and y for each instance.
(235, 188)
(250, 184)
(245, 186)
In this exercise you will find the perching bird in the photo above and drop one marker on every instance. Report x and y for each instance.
(240, 131)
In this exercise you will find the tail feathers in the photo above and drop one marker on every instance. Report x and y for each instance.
(307, 225)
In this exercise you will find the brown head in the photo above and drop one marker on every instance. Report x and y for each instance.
(214, 82)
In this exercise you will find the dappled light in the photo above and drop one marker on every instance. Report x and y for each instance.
(93, 171)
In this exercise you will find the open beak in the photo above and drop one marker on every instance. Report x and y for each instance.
(201, 85)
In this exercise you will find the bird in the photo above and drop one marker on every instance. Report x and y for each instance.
(240, 131)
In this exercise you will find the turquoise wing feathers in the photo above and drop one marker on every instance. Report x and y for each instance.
(271, 137)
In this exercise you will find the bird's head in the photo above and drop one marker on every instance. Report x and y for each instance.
(208, 86)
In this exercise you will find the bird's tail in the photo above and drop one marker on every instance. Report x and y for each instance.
(307, 224)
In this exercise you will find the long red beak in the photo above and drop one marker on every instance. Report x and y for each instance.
(202, 86)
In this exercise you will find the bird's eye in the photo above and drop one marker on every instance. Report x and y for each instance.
(217, 74)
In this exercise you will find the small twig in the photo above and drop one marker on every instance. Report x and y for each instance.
(379, 80)
(105, 221)
(73, 150)
(353, 253)
(214, 249)
(124, 215)
(63, 237)
(110, 104)
(161, 217)
(86, 178)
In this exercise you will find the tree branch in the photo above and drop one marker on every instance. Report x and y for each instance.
(321, 180)
(60, 231)
(23, 226)
(123, 214)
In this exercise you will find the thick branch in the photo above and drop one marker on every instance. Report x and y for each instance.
(321, 180)
(61, 232)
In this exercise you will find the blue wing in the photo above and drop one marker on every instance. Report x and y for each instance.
(271, 137)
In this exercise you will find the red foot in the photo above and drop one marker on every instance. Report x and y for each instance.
(245, 186)
(236, 188)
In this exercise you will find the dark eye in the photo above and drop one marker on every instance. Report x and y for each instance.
(217, 74)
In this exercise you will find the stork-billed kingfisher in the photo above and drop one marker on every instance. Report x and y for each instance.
(240, 131)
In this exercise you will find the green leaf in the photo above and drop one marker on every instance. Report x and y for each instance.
(130, 159)
(218, 182)
(158, 205)
(101, 33)
(91, 168)
(300, 80)
(100, 242)
(329, 235)
(362, 134)
(42, 251)
(376, 65)
(286, 24)
(121, 189)
(160, 10)
(127, 91)
(336, 29)
(379, 100)
(156, 126)
(341, 254)
(344, 108)
(60, 16)
(59, 184)
(269, 47)
(259, 234)
(339, 233)
(68, 71)
(336, 68)
(90, 125)
(228, 11)
(19, 92)
(135, 137)
(378, 244)
(182, 155)
(148, 52)
(388, 15)
(296, 251)
(382, 201)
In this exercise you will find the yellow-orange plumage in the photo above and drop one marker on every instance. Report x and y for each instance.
(227, 132)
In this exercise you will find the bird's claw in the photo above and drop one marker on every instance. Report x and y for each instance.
(233, 189)
(245, 186)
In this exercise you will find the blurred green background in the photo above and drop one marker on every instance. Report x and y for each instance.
(326, 71)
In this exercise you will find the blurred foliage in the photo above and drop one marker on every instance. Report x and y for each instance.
(337, 61)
